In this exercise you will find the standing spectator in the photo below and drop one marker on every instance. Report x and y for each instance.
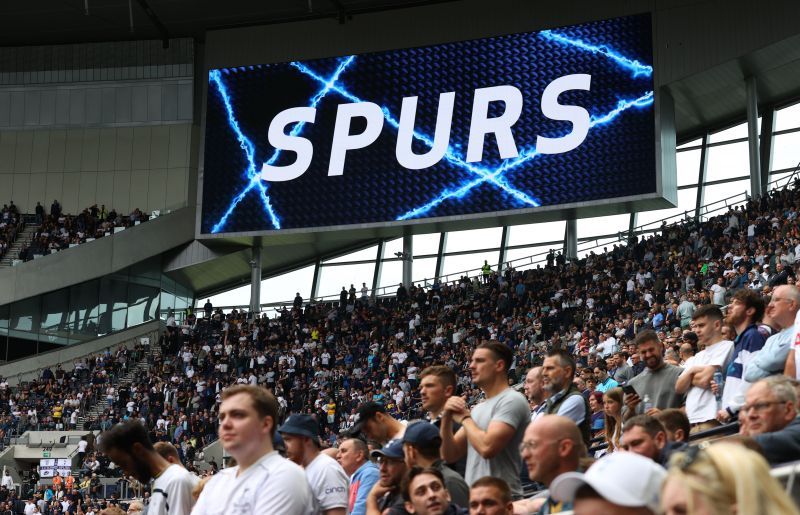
(425, 493)
(535, 392)
(326, 477)
(695, 381)
(604, 382)
(744, 312)
(490, 495)
(437, 384)
(717, 293)
(129, 447)
(564, 398)
(386, 497)
(656, 383)
(353, 458)
(374, 421)
(421, 444)
(491, 433)
(262, 481)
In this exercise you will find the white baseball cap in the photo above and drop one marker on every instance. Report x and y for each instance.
(623, 478)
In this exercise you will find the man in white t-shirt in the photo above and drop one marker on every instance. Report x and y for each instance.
(262, 481)
(695, 381)
(718, 292)
(326, 477)
(129, 447)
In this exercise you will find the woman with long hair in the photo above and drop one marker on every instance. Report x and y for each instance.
(612, 405)
(721, 479)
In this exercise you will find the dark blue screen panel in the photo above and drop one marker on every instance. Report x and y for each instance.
(615, 159)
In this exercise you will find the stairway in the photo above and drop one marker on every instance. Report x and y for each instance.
(141, 369)
(23, 240)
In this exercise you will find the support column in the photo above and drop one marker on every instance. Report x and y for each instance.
(634, 220)
(440, 255)
(701, 177)
(255, 278)
(315, 279)
(376, 277)
(767, 144)
(501, 262)
(408, 254)
(756, 186)
(571, 240)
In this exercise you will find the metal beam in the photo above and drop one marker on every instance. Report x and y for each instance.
(701, 177)
(501, 262)
(315, 279)
(440, 255)
(160, 27)
(255, 278)
(756, 187)
(408, 256)
(376, 276)
(767, 144)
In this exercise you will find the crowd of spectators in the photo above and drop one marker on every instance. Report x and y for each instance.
(677, 319)
(58, 231)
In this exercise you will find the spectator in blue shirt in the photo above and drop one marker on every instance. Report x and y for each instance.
(604, 382)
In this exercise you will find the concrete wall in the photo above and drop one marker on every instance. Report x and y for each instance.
(30, 368)
(98, 258)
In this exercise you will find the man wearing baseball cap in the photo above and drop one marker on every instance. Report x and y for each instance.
(327, 478)
(421, 444)
(622, 483)
(386, 497)
(373, 420)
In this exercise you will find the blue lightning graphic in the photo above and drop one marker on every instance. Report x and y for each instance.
(449, 155)
(635, 66)
(524, 157)
(249, 148)
(496, 176)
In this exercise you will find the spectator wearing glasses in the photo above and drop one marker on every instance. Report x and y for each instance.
(722, 478)
(775, 357)
(770, 417)
(386, 497)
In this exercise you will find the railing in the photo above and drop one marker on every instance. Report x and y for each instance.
(705, 211)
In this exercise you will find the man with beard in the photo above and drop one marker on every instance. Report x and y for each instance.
(744, 312)
(564, 398)
(425, 494)
(327, 478)
(656, 383)
(127, 445)
(386, 497)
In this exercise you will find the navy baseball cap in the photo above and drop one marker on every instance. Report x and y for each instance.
(301, 425)
(392, 450)
(365, 412)
(423, 434)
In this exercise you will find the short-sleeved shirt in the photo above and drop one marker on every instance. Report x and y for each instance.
(509, 407)
(271, 485)
(172, 492)
(701, 405)
(659, 385)
(328, 483)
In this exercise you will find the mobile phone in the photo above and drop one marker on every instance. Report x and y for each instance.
(629, 390)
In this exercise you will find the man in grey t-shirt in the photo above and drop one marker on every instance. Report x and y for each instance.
(656, 384)
(491, 433)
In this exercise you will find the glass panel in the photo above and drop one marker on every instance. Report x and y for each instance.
(83, 308)
(688, 167)
(456, 266)
(423, 269)
(113, 304)
(785, 153)
(735, 132)
(727, 161)
(55, 313)
(284, 287)
(391, 247)
(26, 315)
(425, 244)
(236, 297)
(602, 225)
(359, 255)
(488, 238)
(391, 276)
(333, 278)
(714, 194)
(787, 118)
(597, 246)
(687, 199)
(4, 319)
(141, 302)
(536, 233)
(694, 143)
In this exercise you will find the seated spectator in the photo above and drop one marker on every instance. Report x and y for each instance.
(722, 478)
(374, 421)
(781, 310)
(421, 444)
(598, 414)
(424, 493)
(552, 446)
(646, 436)
(676, 424)
(564, 398)
(612, 408)
(387, 496)
(770, 417)
(354, 458)
(604, 382)
(623, 484)
(490, 495)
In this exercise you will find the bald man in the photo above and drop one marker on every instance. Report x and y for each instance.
(551, 446)
(535, 393)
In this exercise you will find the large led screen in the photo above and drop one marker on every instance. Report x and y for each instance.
(514, 122)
